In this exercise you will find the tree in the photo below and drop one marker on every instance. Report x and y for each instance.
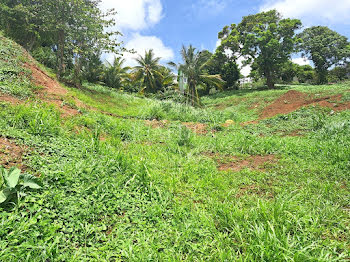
(116, 74)
(224, 65)
(147, 71)
(325, 48)
(193, 68)
(167, 79)
(93, 68)
(305, 74)
(265, 39)
(89, 34)
(21, 21)
(288, 71)
(339, 73)
(73, 29)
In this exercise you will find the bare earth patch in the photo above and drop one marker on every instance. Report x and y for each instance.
(293, 100)
(236, 164)
(11, 154)
(9, 99)
(198, 128)
(157, 124)
(52, 92)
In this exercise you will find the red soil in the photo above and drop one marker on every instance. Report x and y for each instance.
(254, 190)
(40, 78)
(10, 99)
(51, 92)
(11, 154)
(293, 100)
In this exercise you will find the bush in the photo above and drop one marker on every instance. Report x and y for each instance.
(46, 56)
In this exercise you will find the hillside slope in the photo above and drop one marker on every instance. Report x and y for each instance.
(128, 178)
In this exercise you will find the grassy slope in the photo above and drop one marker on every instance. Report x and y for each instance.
(144, 194)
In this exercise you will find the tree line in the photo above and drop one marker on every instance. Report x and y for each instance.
(70, 36)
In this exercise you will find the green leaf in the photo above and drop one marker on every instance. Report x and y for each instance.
(4, 195)
(11, 178)
(30, 181)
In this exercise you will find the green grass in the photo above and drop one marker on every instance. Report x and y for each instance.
(144, 194)
(14, 79)
(245, 105)
(116, 189)
(128, 106)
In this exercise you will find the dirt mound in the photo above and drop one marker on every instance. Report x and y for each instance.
(289, 102)
(198, 128)
(293, 100)
(11, 154)
(236, 164)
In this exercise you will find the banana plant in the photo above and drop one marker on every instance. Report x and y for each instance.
(14, 184)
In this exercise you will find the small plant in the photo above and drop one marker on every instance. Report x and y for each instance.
(184, 137)
(96, 139)
(13, 187)
(318, 121)
(156, 112)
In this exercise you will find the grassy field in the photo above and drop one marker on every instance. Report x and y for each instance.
(119, 186)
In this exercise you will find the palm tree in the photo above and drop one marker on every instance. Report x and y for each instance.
(193, 68)
(116, 74)
(167, 80)
(147, 71)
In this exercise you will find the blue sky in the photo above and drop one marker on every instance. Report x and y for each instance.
(165, 25)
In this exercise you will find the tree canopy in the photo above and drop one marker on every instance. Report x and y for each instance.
(73, 29)
(265, 39)
(325, 48)
(193, 67)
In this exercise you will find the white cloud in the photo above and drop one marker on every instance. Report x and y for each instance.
(217, 44)
(301, 61)
(140, 44)
(132, 17)
(135, 14)
(311, 11)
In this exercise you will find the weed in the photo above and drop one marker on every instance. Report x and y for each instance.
(14, 184)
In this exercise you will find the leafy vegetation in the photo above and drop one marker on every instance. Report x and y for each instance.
(13, 187)
(118, 189)
(325, 48)
(265, 39)
(124, 177)
(14, 78)
(193, 68)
